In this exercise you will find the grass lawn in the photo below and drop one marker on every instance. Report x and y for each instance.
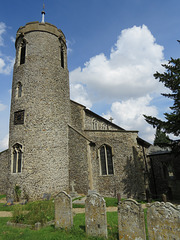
(50, 233)
(44, 211)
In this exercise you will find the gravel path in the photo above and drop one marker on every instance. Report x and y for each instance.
(75, 211)
(5, 214)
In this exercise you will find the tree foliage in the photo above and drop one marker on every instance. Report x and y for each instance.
(161, 139)
(171, 79)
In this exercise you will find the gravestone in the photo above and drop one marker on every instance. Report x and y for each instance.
(131, 224)
(163, 220)
(63, 211)
(37, 226)
(73, 193)
(95, 215)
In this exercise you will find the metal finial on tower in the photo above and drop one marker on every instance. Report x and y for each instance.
(43, 13)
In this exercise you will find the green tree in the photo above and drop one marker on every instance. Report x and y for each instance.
(171, 79)
(161, 139)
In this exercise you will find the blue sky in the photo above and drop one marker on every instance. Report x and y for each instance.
(114, 47)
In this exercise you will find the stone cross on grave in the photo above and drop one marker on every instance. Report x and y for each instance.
(72, 186)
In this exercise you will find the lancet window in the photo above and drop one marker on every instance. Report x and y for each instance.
(23, 52)
(17, 158)
(19, 89)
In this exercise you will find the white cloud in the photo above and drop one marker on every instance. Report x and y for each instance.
(6, 62)
(6, 65)
(128, 72)
(4, 143)
(129, 115)
(124, 79)
(13, 39)
(2, 30)
(79, 94)
(2, 107)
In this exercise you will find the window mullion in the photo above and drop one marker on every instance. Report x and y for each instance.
(106, 160)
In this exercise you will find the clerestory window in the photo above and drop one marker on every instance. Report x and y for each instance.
(17, 159)
(106, 161)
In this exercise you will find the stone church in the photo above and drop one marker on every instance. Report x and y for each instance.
(55, 143)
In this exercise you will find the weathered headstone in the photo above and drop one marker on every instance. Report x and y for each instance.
(63, 211)
(163, 221)
(131, 224)
(164, 197)
(37, 226)
(95, 215)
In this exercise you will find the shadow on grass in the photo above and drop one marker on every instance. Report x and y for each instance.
(82, 227)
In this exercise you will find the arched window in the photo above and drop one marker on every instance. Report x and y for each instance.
(23, 52)
(94, 124)
(106, 161)
(17, 158)
(19, 89)
(62, 57)
(103, 126)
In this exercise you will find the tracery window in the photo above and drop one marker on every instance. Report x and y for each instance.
(106, 161)
(17, 159)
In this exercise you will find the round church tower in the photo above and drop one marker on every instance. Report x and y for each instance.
(38, 137)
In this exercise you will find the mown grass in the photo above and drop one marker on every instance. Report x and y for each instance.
(3, 207)
(2, 196)
(43, 211)
(111, 202)
(50, 233)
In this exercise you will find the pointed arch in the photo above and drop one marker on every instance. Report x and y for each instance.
(23, 51)
(106, 160)
(17, 158)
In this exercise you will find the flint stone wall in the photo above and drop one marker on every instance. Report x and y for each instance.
(95, 215)
(63, 211)
(131, 223)
(3, 171)
(163, 220)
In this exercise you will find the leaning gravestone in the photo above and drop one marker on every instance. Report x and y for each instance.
(63, 211)
(163, 220)
(131, 222)
(95, 215)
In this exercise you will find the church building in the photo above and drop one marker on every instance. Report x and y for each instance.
(55, 143)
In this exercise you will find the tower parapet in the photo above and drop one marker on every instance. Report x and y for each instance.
(43, 27)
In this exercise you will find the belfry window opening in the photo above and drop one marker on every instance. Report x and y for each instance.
(62, 57)
(23, 52)
(17, 159)
(106, 160)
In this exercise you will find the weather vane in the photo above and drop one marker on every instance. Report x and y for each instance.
(43, 13)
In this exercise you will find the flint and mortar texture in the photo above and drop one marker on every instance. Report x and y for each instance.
(45, 101)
